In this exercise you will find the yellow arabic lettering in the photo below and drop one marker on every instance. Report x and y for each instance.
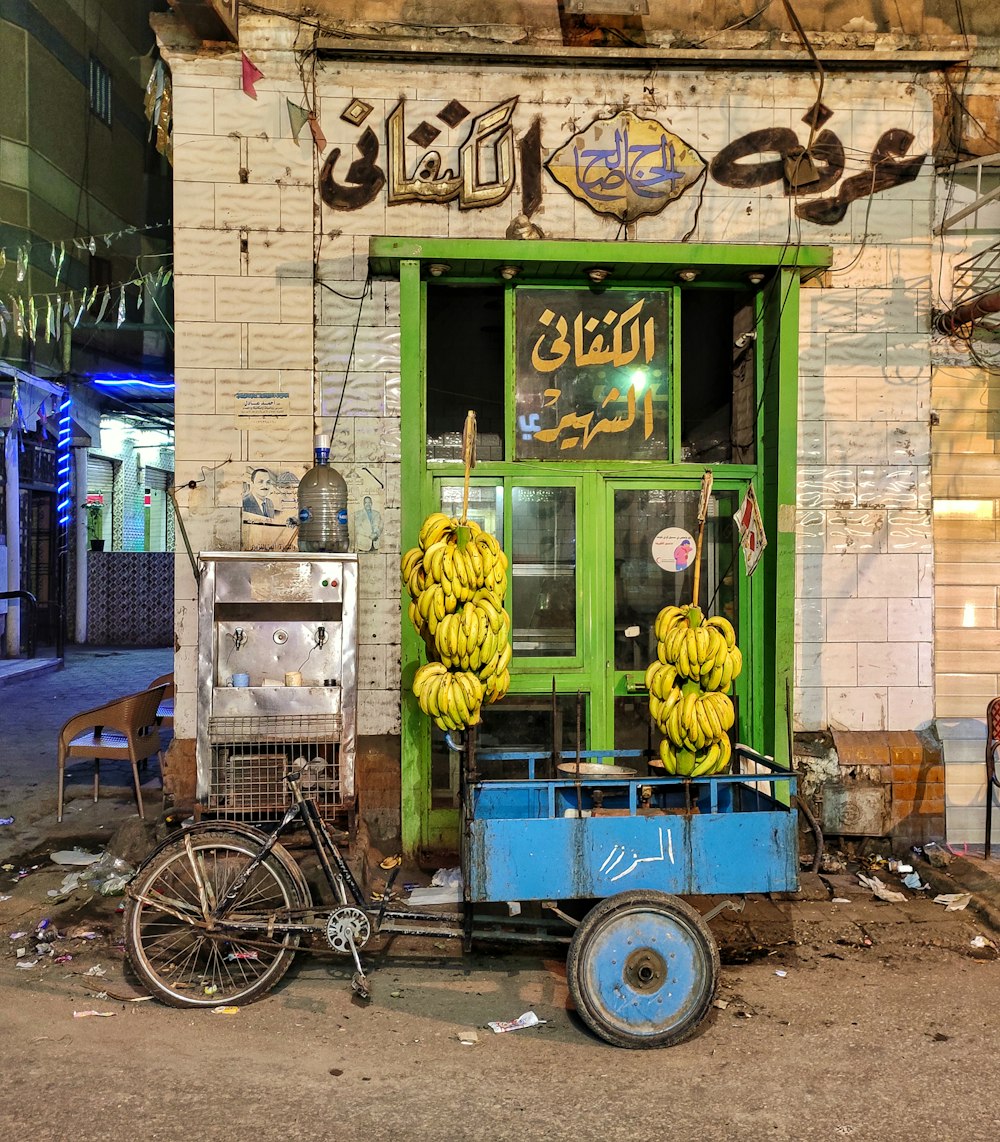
(572, 421)
(596, 354)
(560, 346)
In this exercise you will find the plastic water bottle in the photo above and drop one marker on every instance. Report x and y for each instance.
(323, 504)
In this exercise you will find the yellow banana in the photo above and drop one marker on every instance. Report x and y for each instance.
(707, 763)
(651, 671)
(715, 729)
(725, 628)
(736, 657)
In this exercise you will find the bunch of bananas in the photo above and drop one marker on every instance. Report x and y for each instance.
(697, 660)
(456, 577)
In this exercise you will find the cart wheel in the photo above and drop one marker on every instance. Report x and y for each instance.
(642, 969)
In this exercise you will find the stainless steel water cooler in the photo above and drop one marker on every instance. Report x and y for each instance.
(277, 654)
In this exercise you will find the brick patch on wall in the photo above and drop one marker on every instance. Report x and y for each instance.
(917, 770)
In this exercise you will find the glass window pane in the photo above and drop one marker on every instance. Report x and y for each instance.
(485, 505)
(465, 369)
(592, 374)
(634, 727)
(520, 722)
(718, 381)
(543, 571)
(655, 534)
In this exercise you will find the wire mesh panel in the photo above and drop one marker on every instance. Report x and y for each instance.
(251, 755)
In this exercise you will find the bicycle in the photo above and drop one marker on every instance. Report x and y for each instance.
(215, 915)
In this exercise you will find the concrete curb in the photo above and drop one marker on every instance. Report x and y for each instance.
(962, 875)
(19, 670)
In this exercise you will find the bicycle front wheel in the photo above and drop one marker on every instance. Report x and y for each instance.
(185, 959)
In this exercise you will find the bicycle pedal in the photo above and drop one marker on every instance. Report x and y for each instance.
(360, 986)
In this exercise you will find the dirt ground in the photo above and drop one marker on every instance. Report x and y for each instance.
(883, 1024)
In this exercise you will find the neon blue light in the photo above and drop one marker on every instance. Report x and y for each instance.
(113, 382)
(64, 506)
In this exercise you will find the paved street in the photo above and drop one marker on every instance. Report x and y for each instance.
(880, 1027)
(883, 1024)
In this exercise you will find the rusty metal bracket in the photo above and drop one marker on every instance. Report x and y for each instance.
(732, 905)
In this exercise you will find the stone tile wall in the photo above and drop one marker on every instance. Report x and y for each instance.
(246, 318)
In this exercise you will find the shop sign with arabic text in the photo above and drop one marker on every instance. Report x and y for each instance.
(626, 166)
(592, 379)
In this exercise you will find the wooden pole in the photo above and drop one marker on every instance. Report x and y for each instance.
(706, 493)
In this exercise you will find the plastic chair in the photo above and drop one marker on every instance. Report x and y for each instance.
(165, 713)
(992, 745)
(126, 729)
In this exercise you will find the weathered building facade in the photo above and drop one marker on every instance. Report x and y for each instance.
(386, 220)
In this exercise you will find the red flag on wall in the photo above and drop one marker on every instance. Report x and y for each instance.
(251, 74)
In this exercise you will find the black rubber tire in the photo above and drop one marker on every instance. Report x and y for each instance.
(618, 916)
(174, 960)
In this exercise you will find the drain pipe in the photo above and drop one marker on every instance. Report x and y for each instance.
(967, 313)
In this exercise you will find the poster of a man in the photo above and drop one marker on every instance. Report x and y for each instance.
(269, 509)
(257, 497)
(367, 527)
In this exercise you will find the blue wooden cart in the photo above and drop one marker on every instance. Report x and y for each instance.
(643, 964)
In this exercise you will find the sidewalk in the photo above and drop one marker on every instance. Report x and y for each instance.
(33, 708)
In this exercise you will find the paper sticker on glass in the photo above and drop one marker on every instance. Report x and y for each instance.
(626, 166)
(592, 380)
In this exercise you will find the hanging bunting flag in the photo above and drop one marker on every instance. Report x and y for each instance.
(251, 74)
(22, 263)
(3, 260)
(121, 308)
(92, 246)
(32, 318)
(4, 314)
(104, 307)
(297, 118)
(317, 132)
(49, 323)
(62, 258)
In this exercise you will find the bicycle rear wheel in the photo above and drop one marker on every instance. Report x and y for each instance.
(172, 947)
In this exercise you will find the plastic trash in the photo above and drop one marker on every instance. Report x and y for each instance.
(96, 1014)
(953, 901)
(6, 820)
(447, 878)
(879, 890)
(74, 856)
(528, 1019)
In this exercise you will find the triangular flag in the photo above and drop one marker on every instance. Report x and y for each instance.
(250, 76)
(317, 130)
(297, 118)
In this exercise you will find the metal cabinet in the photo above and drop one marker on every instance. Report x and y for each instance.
(277, 654)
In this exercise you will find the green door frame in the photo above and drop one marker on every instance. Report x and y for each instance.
(768, 605)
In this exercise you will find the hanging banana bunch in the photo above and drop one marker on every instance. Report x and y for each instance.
(457, 594)
(697, 661)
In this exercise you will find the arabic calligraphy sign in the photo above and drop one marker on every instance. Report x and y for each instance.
(626, 166)
(591, 379)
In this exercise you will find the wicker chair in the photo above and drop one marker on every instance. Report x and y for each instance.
(992, 745)
(126, 729)
(165, 713)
